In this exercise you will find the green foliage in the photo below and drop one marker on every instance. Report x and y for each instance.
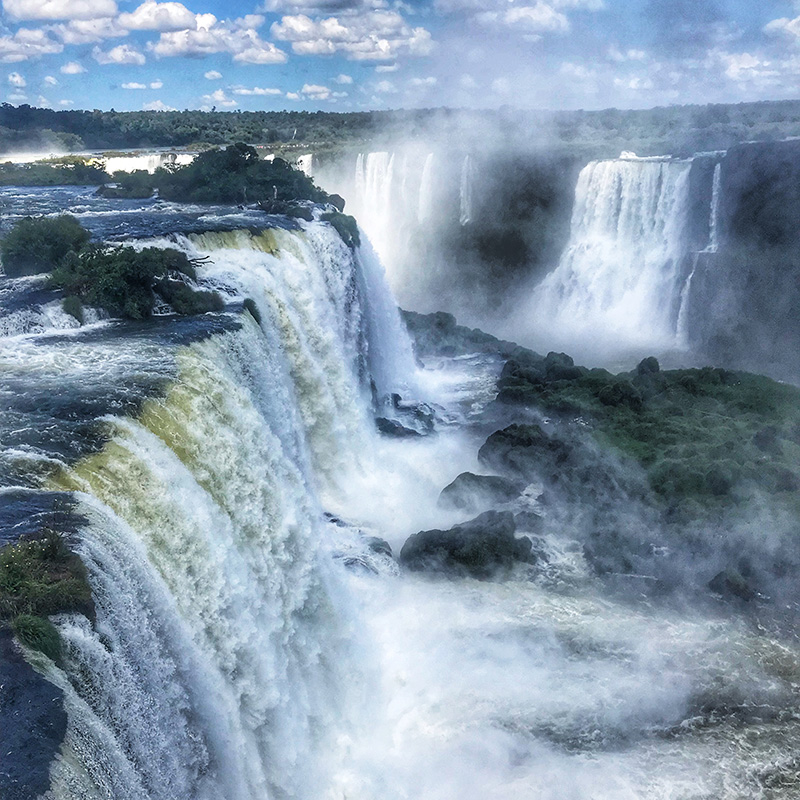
(136, 185)
(235, 175)
(72, 305)
(38, 634)
(122, 280)
(187, 301)
(70, 171)
(711, 435)
(38, 244)
(40, 576)
(346, 226)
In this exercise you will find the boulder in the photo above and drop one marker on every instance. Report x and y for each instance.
(393, 427)
(731, 583)
(471, 492)
(482, 548)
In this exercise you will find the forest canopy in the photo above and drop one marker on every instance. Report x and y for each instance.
(670, 129)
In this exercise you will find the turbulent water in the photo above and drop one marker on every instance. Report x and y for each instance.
(248, 646)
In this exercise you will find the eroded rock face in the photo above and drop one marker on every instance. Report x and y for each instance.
(485, 547)
(32, 725)
(471, 493)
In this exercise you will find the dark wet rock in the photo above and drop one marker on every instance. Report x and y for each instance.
(561, 367)
(33, 724)
(439, 334)
(419, 416)
(379, 546)
(472, 492)
(359, 564)
(731, 583)
(528, 521)
(521, 448)
(483, 548)
(337, 201)
(648, 366)
(393, 427)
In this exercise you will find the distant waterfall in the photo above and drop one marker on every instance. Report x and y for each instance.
(306, 164)
(713, 238)
(149, 162)
(620, 275)
(466, 191)
(682, 326)
(426, 190)
(221, 664)
(390, 194)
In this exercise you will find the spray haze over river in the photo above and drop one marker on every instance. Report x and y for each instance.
(228, 491)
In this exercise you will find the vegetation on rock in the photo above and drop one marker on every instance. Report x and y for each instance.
(67, 171)
(38, 244)
(235, 175)
(706, 434)
(124, 281)
(40, 576)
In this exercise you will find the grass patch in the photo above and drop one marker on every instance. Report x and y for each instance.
(711, 435)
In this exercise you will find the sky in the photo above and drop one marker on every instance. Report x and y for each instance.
(349, 55)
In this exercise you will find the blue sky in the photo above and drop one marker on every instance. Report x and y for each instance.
(348, 55)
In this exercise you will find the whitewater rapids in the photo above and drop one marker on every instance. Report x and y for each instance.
(235, 655)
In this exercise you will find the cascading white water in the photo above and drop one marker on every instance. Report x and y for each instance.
(305, 163)
(618, 278)
(711, 247)
(425, 208)
(221, 662)
(203, 523)
(466, 191)
(149, 162)
(713, 238)
(390, 194)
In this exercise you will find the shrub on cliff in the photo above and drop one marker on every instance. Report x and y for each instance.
(136, 185)
(235, 175)
(123, 281)
(38, 244)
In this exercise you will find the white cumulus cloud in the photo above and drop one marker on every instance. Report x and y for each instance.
(72, 68)
(256, 91)
(219, 98)
(27, 43)
(212, 75)
(372, 36)
(121, 54)
(242, 42)
(343, 79)
(134, 85)
(15, 79)
(50, 80)
(59, 9)
(157, 105)
(153, 16)
(84, 31)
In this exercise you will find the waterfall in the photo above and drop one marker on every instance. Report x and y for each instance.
(713, 225)
(223, 658)
(682, 324)
(203, 524)
(620, 274)
(149, 162)
(426, 190)
(466, 191)
(306, 163)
